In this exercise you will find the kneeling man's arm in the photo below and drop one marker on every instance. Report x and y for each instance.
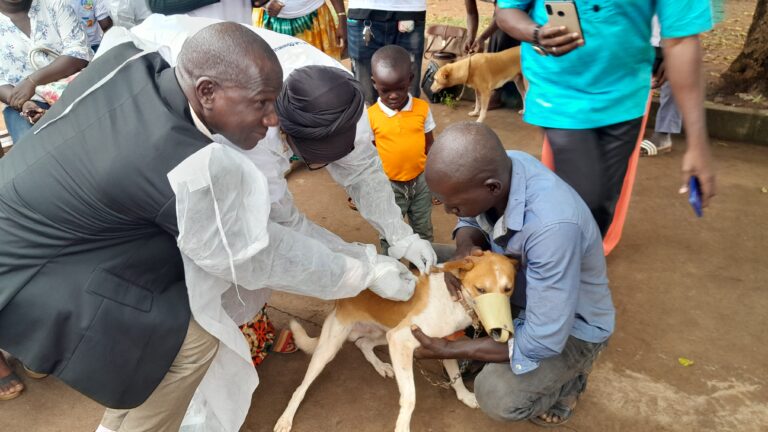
(482, 349)
(468, 237)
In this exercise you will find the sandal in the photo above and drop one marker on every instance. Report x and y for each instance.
(284, 342)
(560, 410)
(648, 148)
(34, 375)
(7, 381)
(351, 204)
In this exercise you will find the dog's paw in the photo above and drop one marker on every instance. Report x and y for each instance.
(283, 425)
(385, 370)
(473, 113)
(469, 399)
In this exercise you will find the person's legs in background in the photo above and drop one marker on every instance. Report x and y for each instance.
(668, 121)
(361, 52)
(577, 161)
(413, 42)
(402, 199)
(164, 410)
(498, 42)
(594, 162)
(420, 209)
(617, 143)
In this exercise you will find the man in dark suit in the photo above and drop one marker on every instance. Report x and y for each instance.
(92, 283)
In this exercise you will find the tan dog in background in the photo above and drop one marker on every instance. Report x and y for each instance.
(484, 72)
(370, 321)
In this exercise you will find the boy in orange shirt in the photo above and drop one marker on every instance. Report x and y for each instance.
(402, 127)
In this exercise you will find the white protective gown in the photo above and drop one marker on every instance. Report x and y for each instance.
(218, 184)
(360, 172)
(236, 249)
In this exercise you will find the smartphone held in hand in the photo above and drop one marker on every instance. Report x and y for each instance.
(563, 13)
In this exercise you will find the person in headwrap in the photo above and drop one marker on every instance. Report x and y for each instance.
(324, 122)
(320, 109)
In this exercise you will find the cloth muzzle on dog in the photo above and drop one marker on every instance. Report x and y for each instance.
(495, 315)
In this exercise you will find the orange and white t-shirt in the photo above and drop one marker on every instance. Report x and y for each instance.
(400, 137)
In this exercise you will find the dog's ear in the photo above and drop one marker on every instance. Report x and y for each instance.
(459, 267)
(515, 263)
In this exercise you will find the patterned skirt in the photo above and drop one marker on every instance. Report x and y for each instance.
(261, 338)
(260, 334)
(317, 28)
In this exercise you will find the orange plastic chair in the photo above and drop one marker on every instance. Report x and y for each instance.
(613, 235)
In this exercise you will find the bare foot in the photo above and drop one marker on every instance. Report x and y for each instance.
(559, 413)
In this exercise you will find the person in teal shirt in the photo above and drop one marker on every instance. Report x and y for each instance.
(589, 93)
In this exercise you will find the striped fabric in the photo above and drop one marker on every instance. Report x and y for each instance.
(288, 26)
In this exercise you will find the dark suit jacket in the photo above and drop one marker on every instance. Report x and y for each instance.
(91, 280)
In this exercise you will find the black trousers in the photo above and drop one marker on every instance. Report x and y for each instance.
(594, 162)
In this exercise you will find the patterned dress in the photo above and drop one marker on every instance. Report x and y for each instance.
(317, 28)
(54, 25)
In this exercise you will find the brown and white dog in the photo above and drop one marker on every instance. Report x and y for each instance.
(370, 321)
(484, 72)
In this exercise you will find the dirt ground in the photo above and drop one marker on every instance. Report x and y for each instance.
(683, 287)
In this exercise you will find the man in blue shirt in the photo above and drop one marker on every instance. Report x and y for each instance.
(589, 91)
(510, 203)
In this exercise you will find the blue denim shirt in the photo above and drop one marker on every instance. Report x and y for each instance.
(562, 277)
(607, 80)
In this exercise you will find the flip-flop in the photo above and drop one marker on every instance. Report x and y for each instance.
(351, 204)
(34, 375)
(7, 380)
(284, 342)
(558, 409)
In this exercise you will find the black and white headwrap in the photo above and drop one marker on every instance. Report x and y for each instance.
(319, 108)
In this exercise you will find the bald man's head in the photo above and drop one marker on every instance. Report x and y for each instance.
(468, 169)
(229, 52)
(231, 78)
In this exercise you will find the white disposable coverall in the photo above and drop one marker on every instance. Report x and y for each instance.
(218, 184)
(360, 172)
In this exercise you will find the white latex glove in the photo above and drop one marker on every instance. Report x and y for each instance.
(391, 279)
(416, 250)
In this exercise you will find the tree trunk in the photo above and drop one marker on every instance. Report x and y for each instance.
(749, 72)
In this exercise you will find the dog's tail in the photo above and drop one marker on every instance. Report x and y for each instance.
(303, 341)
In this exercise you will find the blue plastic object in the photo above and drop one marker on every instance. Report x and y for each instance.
(694, 195)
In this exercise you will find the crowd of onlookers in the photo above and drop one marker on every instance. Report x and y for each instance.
(588, 90)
